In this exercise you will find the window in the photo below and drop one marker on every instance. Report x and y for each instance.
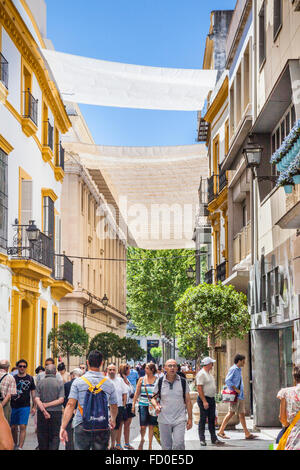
(48, 217)
(89, 208)
(283, 128)
(3, 199)
(82, 198)
(262, 35)
(226, 137)
(277, 17)
(244, 209)
(43, 335)
(26, 201)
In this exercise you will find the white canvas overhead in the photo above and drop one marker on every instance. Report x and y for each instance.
(102, 83)
(156, 188)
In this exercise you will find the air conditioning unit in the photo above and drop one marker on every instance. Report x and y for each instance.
(296, 4)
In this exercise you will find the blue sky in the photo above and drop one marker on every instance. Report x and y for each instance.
(163, 33)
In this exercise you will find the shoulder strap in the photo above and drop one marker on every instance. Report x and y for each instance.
(3, 377)
(183, 383)
(160, 386)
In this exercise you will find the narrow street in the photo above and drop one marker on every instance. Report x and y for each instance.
(236, 442)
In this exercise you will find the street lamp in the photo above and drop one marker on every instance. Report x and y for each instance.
(105, 300)
(190, 272)
(252, 154)
(33, 232)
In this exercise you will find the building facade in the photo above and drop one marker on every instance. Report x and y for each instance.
(97, 240)
(34, 275)
(275, 277)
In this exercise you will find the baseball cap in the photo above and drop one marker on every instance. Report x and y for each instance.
(207, 360)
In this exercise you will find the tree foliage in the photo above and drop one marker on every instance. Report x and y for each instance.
(110, 345)
(69, 339)
(154, 285)
(211, 310)
(156, 353)
(193, 347)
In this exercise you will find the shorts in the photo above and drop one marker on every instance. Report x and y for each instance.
(129, 413)
(19, 416)
(145, 418)
(121, 417)
(238, 407)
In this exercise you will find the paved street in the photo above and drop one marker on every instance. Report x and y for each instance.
(237, 441)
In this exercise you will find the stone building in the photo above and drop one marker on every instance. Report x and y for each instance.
(34, 274)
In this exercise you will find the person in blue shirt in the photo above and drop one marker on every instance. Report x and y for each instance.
(234, 381)
(133, 377)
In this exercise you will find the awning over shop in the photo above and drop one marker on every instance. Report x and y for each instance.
(102, 83)
(155, 188)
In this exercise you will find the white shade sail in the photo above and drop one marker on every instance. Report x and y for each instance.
(102, 83)
(156, 188)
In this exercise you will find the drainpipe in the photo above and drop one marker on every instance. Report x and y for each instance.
(85, 306)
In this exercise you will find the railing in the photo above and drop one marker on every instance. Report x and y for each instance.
(222, 180)
(50, 135)
(209, 276)
(211, 189)
(40, 250)
(30, 107)
(221, 272)
(242, 244)
(61, 156)
(4, 70)
(63, 269)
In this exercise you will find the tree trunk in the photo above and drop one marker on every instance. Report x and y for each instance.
(212, 339)
(68, 362)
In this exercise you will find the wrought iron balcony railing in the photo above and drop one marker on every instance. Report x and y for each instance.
(30, 107)
(222, 180)
(40, 250)
(221, 272)
(3, 70)
(63, 269)
(61, 156)
(209, 276)
(211, 189)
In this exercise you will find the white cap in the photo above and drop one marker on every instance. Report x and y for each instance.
(207, 360)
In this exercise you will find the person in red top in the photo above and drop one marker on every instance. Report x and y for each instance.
(6, 440)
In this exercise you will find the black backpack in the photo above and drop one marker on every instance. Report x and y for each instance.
(183, 384)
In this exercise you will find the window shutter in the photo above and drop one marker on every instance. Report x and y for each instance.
(26, 206)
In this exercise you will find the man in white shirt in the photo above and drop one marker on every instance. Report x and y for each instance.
(122, 391)
(206, 387)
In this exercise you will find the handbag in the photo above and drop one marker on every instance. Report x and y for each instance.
(151, 409)
(230, 396)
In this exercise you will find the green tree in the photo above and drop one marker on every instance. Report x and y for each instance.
(154, 285)
(69, 339)
(156, 353)
(130, 350)
(108, 344)
(215, 311)
(193, 347)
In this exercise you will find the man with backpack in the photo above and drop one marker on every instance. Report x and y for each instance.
(94, 393)
(172, 401)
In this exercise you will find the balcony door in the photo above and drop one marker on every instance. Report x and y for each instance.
(3, 199)
(26, 202)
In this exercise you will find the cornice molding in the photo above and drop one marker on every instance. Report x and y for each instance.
(27, 46)
(5, 146)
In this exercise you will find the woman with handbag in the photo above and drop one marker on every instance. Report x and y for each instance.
(124, 371)
(290, 415)
(143, 394)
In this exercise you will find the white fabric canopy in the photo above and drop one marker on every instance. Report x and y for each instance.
(156, 188)
(102, 83)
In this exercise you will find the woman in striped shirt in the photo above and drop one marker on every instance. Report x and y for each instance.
(143, 394)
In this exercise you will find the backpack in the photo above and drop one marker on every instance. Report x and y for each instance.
(183, 384)
(95, 408)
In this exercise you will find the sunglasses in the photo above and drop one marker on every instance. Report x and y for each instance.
(22, 367)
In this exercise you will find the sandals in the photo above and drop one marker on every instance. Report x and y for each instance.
(128, 447)
(251, 437)
(118, 447)
(223, 436)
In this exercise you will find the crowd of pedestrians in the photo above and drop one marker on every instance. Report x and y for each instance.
(93, 410)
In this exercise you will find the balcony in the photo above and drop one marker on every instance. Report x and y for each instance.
(63, 277)
(209, 277)
(221, 272)
(222, 180)
(211, 188)
(63, 269)
(30, 116)
(215, 185)
(60, 163)
(3, 79)
(48, 146)
(242, 245)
